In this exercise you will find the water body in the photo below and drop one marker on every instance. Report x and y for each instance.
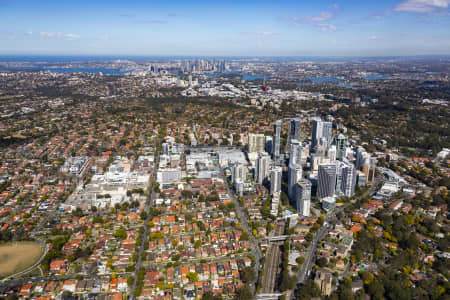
(324, 79)
(215, 75)
(302, 83)
(70, 70)
(254, 77)
(248, 77)
(376, 77)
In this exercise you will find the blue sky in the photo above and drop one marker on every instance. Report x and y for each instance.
(250, 28)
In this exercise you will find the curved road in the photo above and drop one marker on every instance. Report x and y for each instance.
(32, 267)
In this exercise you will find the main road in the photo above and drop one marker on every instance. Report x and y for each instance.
(309, 259)
(148, 204)
(243, 219)
(322, 232)
(14, 282)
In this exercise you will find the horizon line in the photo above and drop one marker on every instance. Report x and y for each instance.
(245, 56)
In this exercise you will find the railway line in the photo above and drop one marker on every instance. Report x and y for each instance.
(273, 260)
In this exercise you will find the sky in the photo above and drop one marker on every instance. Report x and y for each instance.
(225, 28)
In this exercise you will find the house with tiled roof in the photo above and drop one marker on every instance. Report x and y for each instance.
(69, 285)
(58, 266)
(25, 290)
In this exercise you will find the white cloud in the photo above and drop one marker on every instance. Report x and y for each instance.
(422, 6)
(127, 15)
(47, 34)
(59, 35)
(325, 16)
(373, 38)
(72, 36)
(261, 33)
(318, 21)
(324, 27)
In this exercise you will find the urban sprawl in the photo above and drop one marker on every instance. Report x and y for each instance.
(198, 179)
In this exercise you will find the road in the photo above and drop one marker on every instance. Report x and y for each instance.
(199, 260)
(144, 240)
(310, 254)
(309, 259)
(15, 282)
(347, 268)
(322, 232)
(243, 219)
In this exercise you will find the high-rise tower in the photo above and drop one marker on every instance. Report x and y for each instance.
(277, 139)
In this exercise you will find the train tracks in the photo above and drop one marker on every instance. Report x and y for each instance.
(273, 260)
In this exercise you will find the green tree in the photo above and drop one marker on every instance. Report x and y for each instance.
(309, 290)
(243, 293)
(120, 234)
(300, 260)
(197, 244)
(244, 236)
(192, 276)
(376, 290)
(248, 274)
(210, 296)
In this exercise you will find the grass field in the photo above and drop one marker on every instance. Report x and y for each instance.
(15, 257)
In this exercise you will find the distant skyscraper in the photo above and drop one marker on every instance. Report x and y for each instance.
(371, 172)
(326, 180)
(239, 172)
(317, 125)
(346, 177)
(294, 176)
(256, 142)
(277, 139)
(295, 156)
(362, 179)
(341, 146)
(361, 156)
(303, 197)
(321, 129)
(327, 131)
(275, 180)
(269, 144)
(366, 163)
(331, 153)
(294, 129)
(262, 167)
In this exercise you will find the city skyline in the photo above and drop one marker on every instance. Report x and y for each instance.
(250, 28)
